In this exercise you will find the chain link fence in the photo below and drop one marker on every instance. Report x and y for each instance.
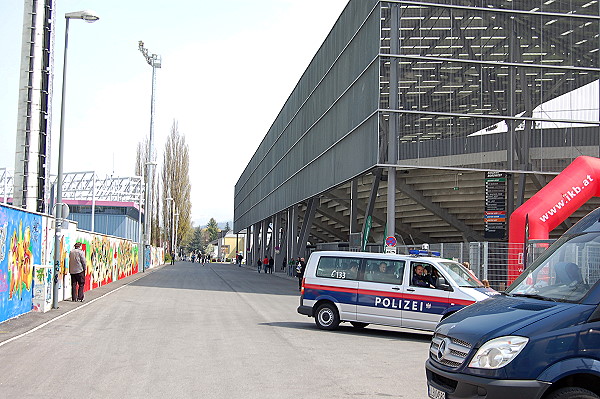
(488, 260)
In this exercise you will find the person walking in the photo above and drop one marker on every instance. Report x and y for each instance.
(266, 264)
(258, 264)
(271, 264)
(77, 271)
(300, 269)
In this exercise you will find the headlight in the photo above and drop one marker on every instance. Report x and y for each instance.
(498, 352)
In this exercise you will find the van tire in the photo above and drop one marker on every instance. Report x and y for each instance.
(327, 317)
(572, 393)
(358, 324)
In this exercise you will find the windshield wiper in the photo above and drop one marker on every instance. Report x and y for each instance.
(536, 296)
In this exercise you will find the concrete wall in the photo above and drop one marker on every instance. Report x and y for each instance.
(27, 254)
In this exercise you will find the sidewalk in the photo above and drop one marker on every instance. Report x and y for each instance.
(26, 322)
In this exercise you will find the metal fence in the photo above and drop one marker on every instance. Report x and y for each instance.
(488, 260)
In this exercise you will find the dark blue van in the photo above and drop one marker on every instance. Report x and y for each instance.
(539, 339)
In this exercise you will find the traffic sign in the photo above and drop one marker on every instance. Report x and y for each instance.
(391, 241)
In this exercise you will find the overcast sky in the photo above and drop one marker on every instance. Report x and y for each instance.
(228, 67)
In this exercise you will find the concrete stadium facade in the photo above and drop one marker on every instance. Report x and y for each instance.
(425, 120)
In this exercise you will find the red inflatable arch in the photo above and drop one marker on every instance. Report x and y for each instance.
(550, 206)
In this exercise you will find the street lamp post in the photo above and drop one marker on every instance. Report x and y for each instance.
(172, 243)
(87, 16)
(155, 61)
(176, 217)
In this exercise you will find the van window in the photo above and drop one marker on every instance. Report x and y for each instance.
(424, 275)
(384, 271)
(566, 273)
(462, 276)
(339, 268)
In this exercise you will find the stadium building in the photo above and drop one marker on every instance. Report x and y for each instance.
(428, 121)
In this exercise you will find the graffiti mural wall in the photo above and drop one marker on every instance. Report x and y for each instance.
(108, 258)
(20, 250)
(27, 257)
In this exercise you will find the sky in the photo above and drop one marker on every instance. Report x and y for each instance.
(227, 69)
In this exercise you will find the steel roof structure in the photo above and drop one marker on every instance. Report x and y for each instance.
(88, 186)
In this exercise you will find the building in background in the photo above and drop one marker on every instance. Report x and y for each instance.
(228, 245)
(119, 219)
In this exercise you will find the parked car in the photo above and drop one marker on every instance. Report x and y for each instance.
(539, 339)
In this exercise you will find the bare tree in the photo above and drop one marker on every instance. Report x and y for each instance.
(176, 185)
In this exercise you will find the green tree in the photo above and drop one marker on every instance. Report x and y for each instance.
(196, 241)
(227, 228)
(213, 229)
(205, 239)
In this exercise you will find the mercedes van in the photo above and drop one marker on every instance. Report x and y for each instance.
(539, 339)
(387, 289)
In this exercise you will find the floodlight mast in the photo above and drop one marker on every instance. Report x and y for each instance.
(155, 61)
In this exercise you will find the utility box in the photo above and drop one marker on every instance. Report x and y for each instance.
(42, 288)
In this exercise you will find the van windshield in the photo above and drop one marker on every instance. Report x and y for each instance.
(460, 275)
(566, 272)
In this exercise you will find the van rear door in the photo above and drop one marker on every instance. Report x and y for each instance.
(334, 279)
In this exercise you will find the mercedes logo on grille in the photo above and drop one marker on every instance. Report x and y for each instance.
(443, 349)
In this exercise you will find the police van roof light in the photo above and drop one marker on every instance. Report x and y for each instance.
(422, 252)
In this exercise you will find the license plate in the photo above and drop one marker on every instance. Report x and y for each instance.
(435, 393)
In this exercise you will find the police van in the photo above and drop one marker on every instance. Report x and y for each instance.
(412, 291)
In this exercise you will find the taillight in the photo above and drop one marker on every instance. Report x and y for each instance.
(302, 288)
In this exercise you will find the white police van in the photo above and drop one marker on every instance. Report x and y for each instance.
(362, 288)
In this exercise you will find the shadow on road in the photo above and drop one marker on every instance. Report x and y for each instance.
(346, 329)
(218, 277)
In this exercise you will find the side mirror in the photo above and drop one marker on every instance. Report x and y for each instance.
(443, 285)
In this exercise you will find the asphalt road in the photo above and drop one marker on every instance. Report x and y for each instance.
(188, 331)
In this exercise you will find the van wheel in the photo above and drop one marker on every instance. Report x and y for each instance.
(572, 393)
(358, 324)
(327, 317)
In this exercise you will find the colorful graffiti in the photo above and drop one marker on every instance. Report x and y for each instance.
(42, 289)
(158, 256)
(20, 262)
(20, 250)
(108, 259)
